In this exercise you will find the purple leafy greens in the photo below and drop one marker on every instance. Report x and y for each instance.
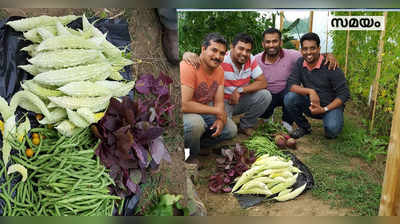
(131, 134)
(233, 163)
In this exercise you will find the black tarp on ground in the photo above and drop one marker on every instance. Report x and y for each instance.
(305, 176)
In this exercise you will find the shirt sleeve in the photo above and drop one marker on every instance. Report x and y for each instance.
(339, 85)
(188, 75)
(294, 77)
(255, 69)
(220, 76)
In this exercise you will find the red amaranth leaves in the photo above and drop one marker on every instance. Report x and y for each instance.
(131, 134)
(231, 165)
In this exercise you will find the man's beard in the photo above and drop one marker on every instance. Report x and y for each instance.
(274, 54)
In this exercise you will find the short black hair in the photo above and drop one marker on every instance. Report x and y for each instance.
(271, 31)
(243, 37)
(310, 36)
(215, 37)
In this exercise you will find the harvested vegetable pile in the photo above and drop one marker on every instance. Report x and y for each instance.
(270, 175)
(70, 69)
(130, 134)
(232, 165)
(63, 177)
(263, 145)
(76, 76)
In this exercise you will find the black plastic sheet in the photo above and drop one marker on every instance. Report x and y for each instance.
(11, 76)
(247, 200)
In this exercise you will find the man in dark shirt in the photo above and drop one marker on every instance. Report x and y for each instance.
(315, 91)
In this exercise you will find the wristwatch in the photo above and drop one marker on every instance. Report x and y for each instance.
(326, 109)
(240, 90)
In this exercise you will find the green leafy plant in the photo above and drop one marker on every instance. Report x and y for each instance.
(362, 65)
(169, 206)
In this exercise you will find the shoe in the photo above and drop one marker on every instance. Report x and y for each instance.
(247, 131)
(287, 126)
(204, 151)
(170, 45)
(191, 161)
(299, 132)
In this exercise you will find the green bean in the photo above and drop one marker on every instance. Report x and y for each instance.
(22, 162)
(57, 210)
(121, 206)
(76, 184)
(6, 199)
(86, 197)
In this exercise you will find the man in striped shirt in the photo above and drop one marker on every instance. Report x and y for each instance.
(241, 96)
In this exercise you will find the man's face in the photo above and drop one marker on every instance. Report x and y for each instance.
(310, 51)
(272, 44)
(240, 53)
(213, 55)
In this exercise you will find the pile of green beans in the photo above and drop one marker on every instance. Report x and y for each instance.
(64, 178)
(262, 145)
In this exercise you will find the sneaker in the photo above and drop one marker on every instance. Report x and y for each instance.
(192, 161)
(287, 126)
(247, 131)
(299, 132)
(204, 151)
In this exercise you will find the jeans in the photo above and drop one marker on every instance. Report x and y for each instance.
(277, 100)
(252, 105)
(297, 105)
(196, 128)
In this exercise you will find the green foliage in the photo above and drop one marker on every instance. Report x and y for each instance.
(300, 27)
(166, 205)
(357, 142)
(194, 26)
(362, 65)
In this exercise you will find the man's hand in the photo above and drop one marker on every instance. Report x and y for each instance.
(316, 109)
(191, 58)
(331, 61)
(314, 98)
(234, 97)
(218, 125)
(222, 116)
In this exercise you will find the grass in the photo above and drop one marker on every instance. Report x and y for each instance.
(342, 184)
(343, 187)
(150, 194)
(356, 142)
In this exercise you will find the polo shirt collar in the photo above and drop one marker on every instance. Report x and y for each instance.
(317, 66)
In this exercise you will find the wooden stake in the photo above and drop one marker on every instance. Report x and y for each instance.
(327, 36)
(281, 20)
(378, 73)
(347, 50)
(390, 199)
(311, 21)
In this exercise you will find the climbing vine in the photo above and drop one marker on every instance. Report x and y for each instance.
(362, 66)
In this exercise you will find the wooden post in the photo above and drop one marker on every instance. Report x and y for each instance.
(327, 35)
(311, 21)
(347, 50)
(390, 199)
(281, 20)
(378, 73)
